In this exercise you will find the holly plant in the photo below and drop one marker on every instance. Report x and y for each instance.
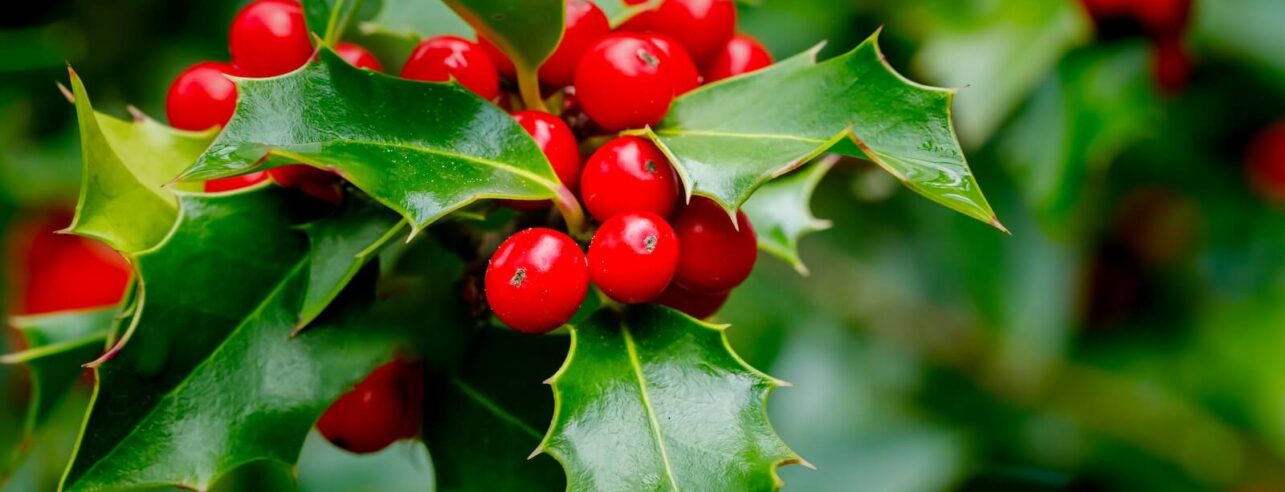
(507, 248)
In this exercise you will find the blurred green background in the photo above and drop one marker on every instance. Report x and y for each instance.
(1129, 335)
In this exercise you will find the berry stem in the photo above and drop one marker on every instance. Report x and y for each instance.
(529, 87)
(571, 212)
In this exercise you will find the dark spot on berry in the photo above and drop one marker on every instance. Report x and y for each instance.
(650, 165)
(649, 243)
(648, 58)
(518, 277)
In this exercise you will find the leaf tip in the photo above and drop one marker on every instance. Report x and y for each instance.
(66, 93)
(994, 222)
(539, 450)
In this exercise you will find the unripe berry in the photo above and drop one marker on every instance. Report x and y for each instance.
(380, 410)
(741, 54)
(698, 305)
(701, 26)
(715, 255)
(536, 280)
(559, 145)
(683, 70)
(633, 256)
(269, 38)
(358, 56)
(629, 174)
(201, 97)
(441, 58)
(624, 81)
(235, 182)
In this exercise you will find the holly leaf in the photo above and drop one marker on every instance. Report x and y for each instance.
(422, 148)
(658, 401)
(618, 11)
(58, 344)
(781, 212)
(210, 377)
(484, 418)
(125, 163)
(339, 247)
(526, 30)
(415, 20)
(728, 138)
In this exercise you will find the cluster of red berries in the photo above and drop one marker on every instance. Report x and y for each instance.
(1161, 21)
(650, 247)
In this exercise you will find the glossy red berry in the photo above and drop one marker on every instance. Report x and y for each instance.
(1265, 160)
(559, 145)
(741, 54)
(715, 255)
(633, 256)
(503, 65)
(358, 56)
(269, 38)
(235, 182)
(201, 97)
(701, 26)
(50, 271)
(585, 24)
(318, 183)
(380, 410)
(624, 81)
(441, 58)
(698, 305)
(536, 280)
(629, 174)
(683, 70)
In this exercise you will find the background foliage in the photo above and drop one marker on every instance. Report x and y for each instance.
(1127, 336)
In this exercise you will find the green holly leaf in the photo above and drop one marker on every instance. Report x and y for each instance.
(484, 418)
(526, 30)
(339, 247)
(422, 148)
(658, 401)
(782, 214)
(210, 377)
(728, 138)
(618, 11)
(415, 20)
(125, 164)
(58, 345)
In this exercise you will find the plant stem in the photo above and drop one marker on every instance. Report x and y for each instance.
(571, 212)
(529, 87)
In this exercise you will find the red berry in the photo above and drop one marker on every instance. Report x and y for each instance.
(585, 24)
(1171, 65)
(698, 305)
(441, 58)
(315, 182)
(503, 65)
(49, 271)
(633, 256)
(683, 69)
(1266, 162)
(701, 26)
(716, 255)
(559, 145)
(741, 54)
(358, 57)
(1163, 18)
(235, 182)
(629, 174)
(536, 280)
(201, 97)
(624, 81)
(269, 38)
(378, 411)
